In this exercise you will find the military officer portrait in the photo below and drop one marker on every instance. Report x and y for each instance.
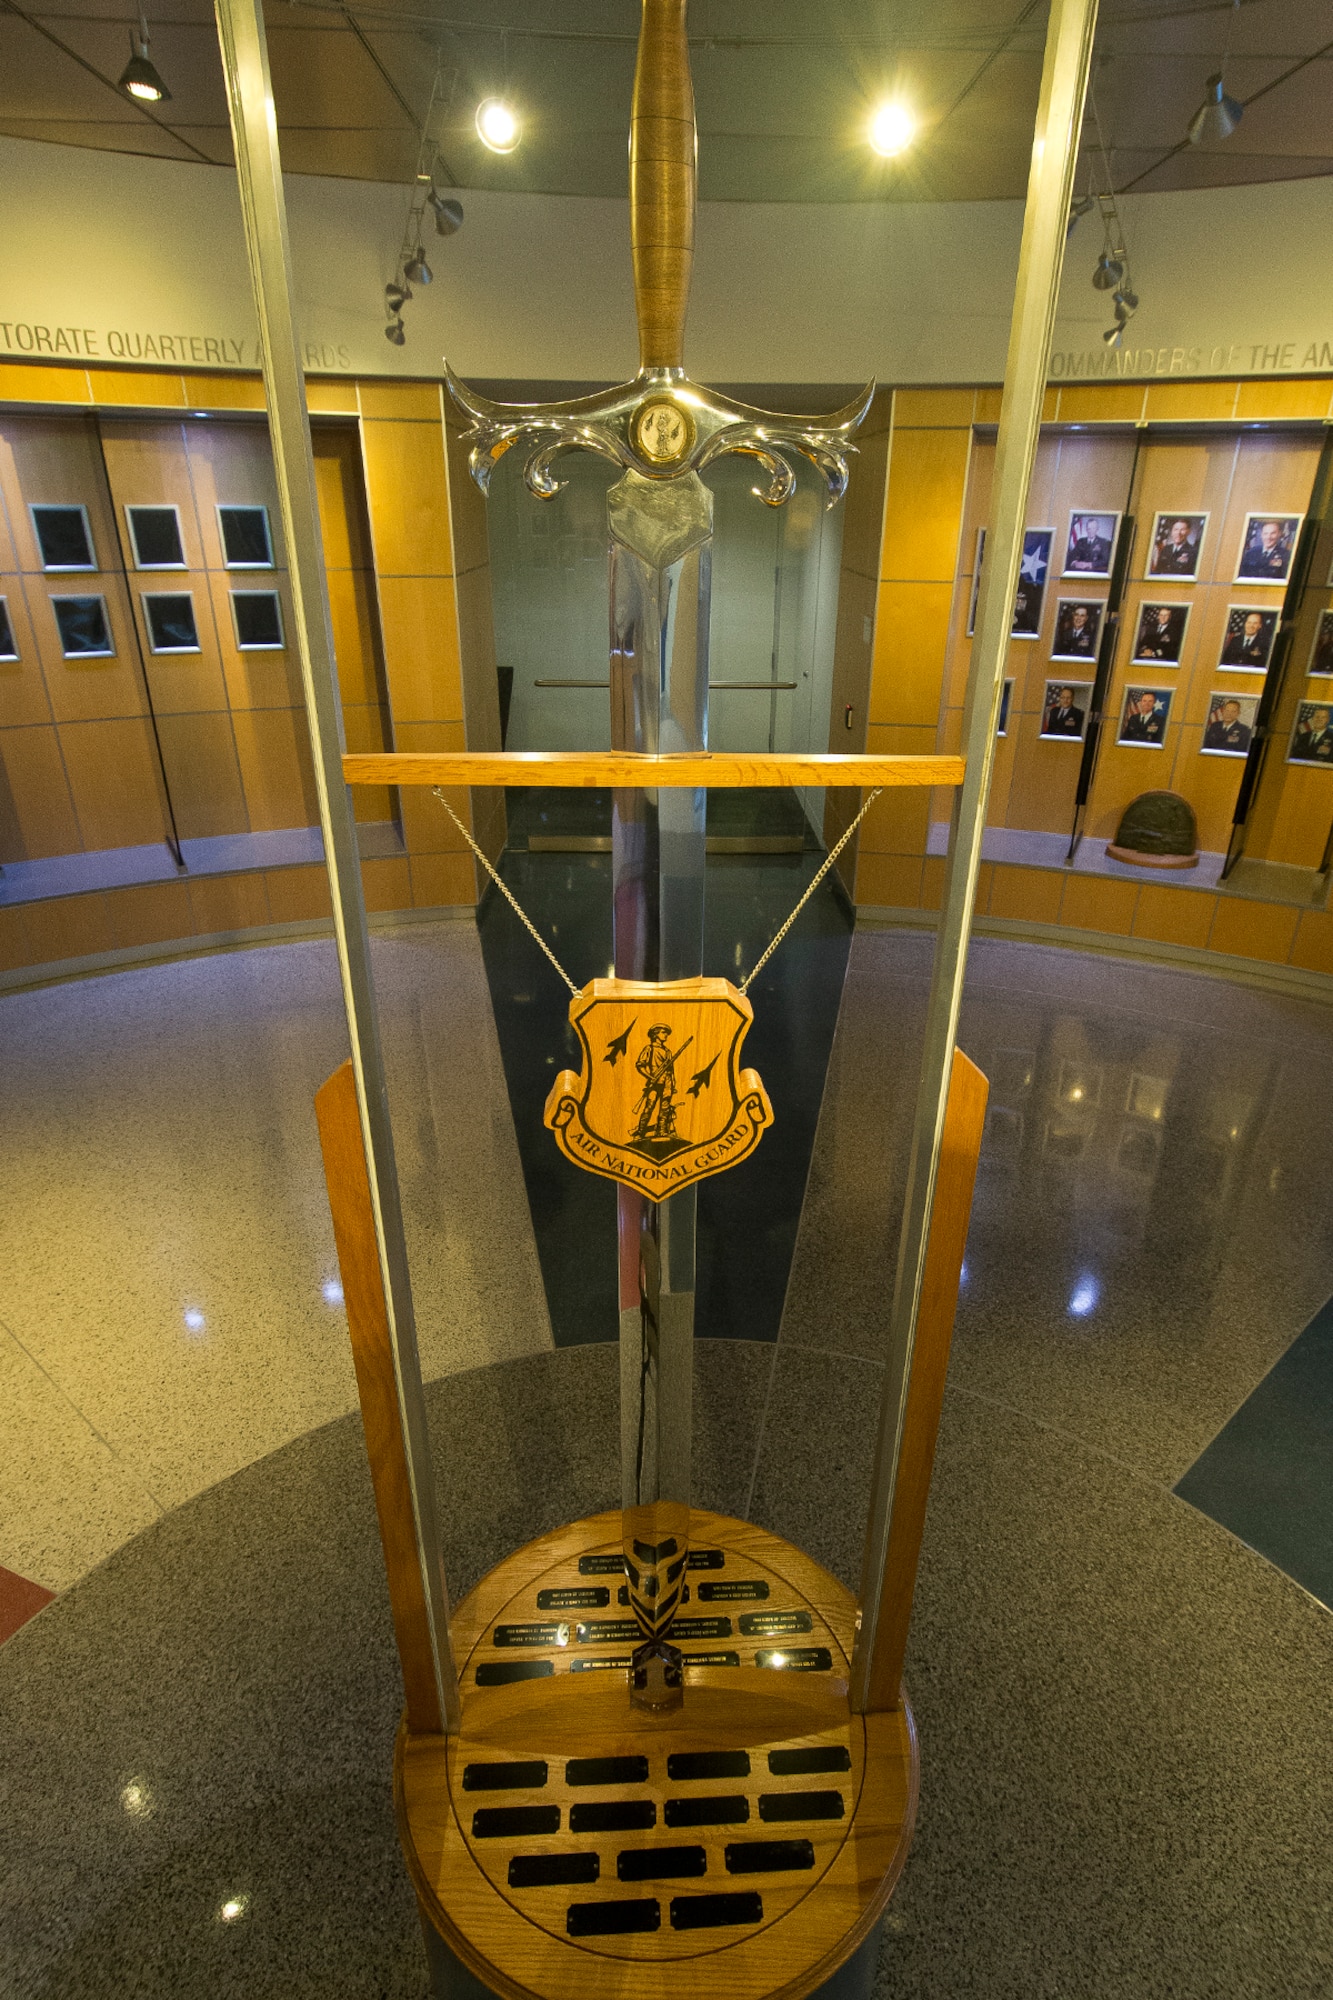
(1321, 653)
(1267, 547)
(1177, 543)
(1091, 544)
(1229, 729)
(1247, 642)
(1064, 713)
(1161, 634)
(1312, 738)
(1078, 625)
(1143, 719)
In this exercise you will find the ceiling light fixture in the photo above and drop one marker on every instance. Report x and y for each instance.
(1219, 115)
(448, 213)
(892, 129)
(416, 270)
(498, 126)
(412, 268)
(395, 332)
(139, 79)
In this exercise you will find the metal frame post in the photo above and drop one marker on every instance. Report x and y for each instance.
(259, 173)
(1054, 152)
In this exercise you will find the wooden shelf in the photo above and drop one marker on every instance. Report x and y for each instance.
(590, 769)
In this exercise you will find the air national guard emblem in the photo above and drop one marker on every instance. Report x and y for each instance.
(661, 1100)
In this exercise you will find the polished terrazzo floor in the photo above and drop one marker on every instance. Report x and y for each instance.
(1126, 1736)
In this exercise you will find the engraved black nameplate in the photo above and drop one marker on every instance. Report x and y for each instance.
(635, 1913)
(769, 1624)
(768, 1857)
(605, 1631)
(712, 1659)
(612, 1816)
(548, 1871)
(499, 1673)
(707, 1559)
(656, 1864)
(584, 1597)
(733, 1590)
(602, 1565)
(529, 1777)
(715, 1811)
(531, 1635)
(803, 1763)
(514, 1822)
(800, 1805)
(701, 1628)
(606, 1771)
(687, 1764)
(598, 1662)
(797, 1659)
(701, 1913)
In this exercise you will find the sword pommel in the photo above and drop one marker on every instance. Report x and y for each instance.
(663, 175)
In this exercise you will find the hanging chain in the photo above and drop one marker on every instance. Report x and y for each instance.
(755, 970)
(512, 901)
(818, 877)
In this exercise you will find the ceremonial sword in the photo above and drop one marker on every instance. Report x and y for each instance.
(662, 429)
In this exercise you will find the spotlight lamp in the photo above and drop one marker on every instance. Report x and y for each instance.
(1218, 116)
(396, 297)
(498, 125)
(1108, 273)
(139, 79)
(417, 271)
(892, 129)
(1078, 208)
(395, 332)
(448, 213)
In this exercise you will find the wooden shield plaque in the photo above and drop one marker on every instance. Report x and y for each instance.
(661, 1100)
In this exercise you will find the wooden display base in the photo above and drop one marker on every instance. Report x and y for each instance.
(745, 1844)
(1138, 860)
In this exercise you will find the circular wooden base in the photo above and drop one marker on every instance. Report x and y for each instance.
(1138, 860)
(567, 1846)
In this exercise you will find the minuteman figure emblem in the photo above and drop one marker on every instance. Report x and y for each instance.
(661, 1099)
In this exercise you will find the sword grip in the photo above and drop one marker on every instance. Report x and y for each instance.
(663, 152)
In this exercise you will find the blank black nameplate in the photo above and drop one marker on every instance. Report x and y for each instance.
(514, 1822)
(579, 1597)
(612, 1816)
(732, 1589)
(768, 1624)
(602, 1565)
(530, 1635)
(800, 1805)
(797, 1659)
(606, 1771)
(498, 1673)
(657, 1864)
(526, 1777)
(687, 1764)
(703, 1913)
(606, 1631)
(768, 1857)
(707, 1559)
(635, 1913)
(712, 1659)
(598, 1662)
(804, 1763)
(701, 1628)
(714, 1811)
(549, 1871)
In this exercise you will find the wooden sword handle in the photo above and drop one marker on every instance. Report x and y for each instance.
(663, 174)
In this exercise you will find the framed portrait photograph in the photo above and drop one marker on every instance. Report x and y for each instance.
(1091, 543)
(1176, 545)
(976, 581)
(1064, 711)
(1033, 569)
(1229, 730)
(1321, 653)
(1312, 735)
(1267, 547)
(1078, 625)
(1002, 726)
(1160, 634)
(1247, 643)
(1144, 716)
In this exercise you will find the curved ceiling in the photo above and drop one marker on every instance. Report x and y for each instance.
(783, 90)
